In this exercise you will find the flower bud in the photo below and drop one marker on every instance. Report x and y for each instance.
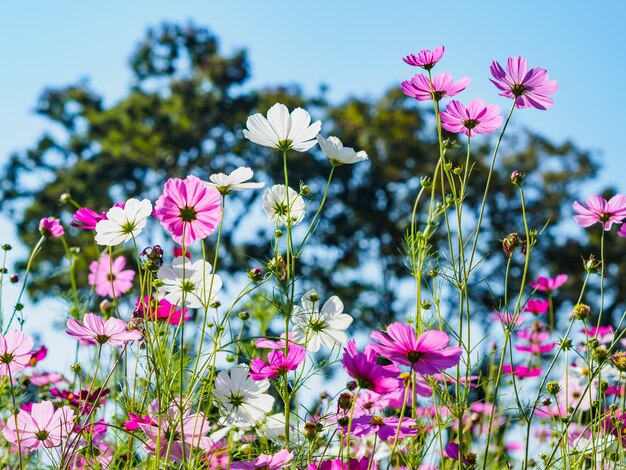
(19, 307)
(619, 361)
(600, 354)
(426, 305)
(278, 233)
(553, 388)
(7, 247)
(65, 198)
(77, 368)
(310, 430)
(426, 182)
(244, 315)
(14, 279)
(580, 312)
(314, 297)
(305, 190)
(255, 274)
(345, 401)
(517, 177)
(592, 265)
(546, 402)
(106, 307)
(510, 243)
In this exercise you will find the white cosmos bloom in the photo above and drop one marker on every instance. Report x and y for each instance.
(235, 181)
(243, 400)
(282, 130)
(314, 326)
(276, 208)
(194, 282)
(123, 223)
(337, 153)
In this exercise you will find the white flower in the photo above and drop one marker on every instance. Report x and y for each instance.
(275, 205)
(315, 327)
(281, 130)
(235, 181)
(193, 281)
(123, 223)
(337, 153)
(243, 399)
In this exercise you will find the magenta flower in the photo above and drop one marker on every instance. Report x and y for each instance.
(38, 356)
(50, 227)
(604, 334)
(598, 209)
(149, 309)
(110, 278)
(536, 348)
(15, 352)
(419, 87)
(267, 462)
(385, 428)
(537, 307)
(529, 88)
(87, 219)
(188, 209)
(41, 427)
(427, 354)
(277, 363)
(474, 119)
(425, 58)
(548, 284)
(338, 464)
(134, 420)
(94, 330)
(521, 371)
(368, 374)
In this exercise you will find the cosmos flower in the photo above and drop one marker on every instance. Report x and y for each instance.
(370, 375)
(188, 209)
(192, 285)
(443, 85)
(530, 88)
(15, 352)
(267, 462)
(427, 354)
(385, 428)
(425, 58)
(149, 309)
(87, 219)
(474, 119)
(278, 364)
(123, 223)
(337, 153)
(237, 180)
(278, 210)
(537, 306)
(282, 130)
(43, 426)
(598, 209)
(94, 330)
(50, 227)
(521, 371)
(110, 278)
(548, 284)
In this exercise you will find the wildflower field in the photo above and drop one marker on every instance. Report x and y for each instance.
(176, 362)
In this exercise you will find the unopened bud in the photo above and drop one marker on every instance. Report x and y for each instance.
(244, 315)
(14, 279)
(553, 388)
(593, 265)
(345, 401)
(581, 312)
(517, 177)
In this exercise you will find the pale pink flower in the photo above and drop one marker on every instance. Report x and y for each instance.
(50, 227)
(110, 278)
(94, 330)
(15, 352)
(474, 119)
(529, 88)
(598, 209)
(188, 209)
(266, 462)
(41, 427)
(425, 58)
(443, 85)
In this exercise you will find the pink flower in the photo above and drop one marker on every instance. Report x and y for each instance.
(95, 330)
(368, 374)
(507, 318)
(87, 219)
(427, 354)
(110, 279)
(474, 119)
(277, 363)
(151, 310)
(537, 307)
(338, 464)
(536, 348)
(267, 462)
(41, 427)
(548, 284)
(134, 420)
(15, 352)
(188, 209)
(529, 88)
(520, 371)
(604, 334)
(45, 378)
(598, 209)
(38, 356)
(50, 227)
(385, 428)
(425, 58)
(419, 87)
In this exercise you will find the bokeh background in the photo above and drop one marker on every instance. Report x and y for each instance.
(351, 49)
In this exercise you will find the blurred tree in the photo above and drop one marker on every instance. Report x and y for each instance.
(185, 113)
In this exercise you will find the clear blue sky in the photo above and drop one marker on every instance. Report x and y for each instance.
(354, 47)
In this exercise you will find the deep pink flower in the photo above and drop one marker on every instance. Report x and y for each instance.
(41, 427)
(38, 356)
(178, 251)
(548, 284)
(474, 119)
(266, 462)
(188, 208)
(598, 209)
(427, 354)
(94, 330)
(110, 278)
(536, 348)
(452, 452)
(151, 310)
(134, 420)
(50, 227)
(425, 58)
(521, 371)
(385, 428)
(15, 352)
(278, 363)
(530, 88)
(87, 219)
(419, 87)
(537, 307)
(604, 334)
(368, 374)
(338, 464)
(83, 400)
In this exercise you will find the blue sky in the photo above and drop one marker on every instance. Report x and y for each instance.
(354, 47)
